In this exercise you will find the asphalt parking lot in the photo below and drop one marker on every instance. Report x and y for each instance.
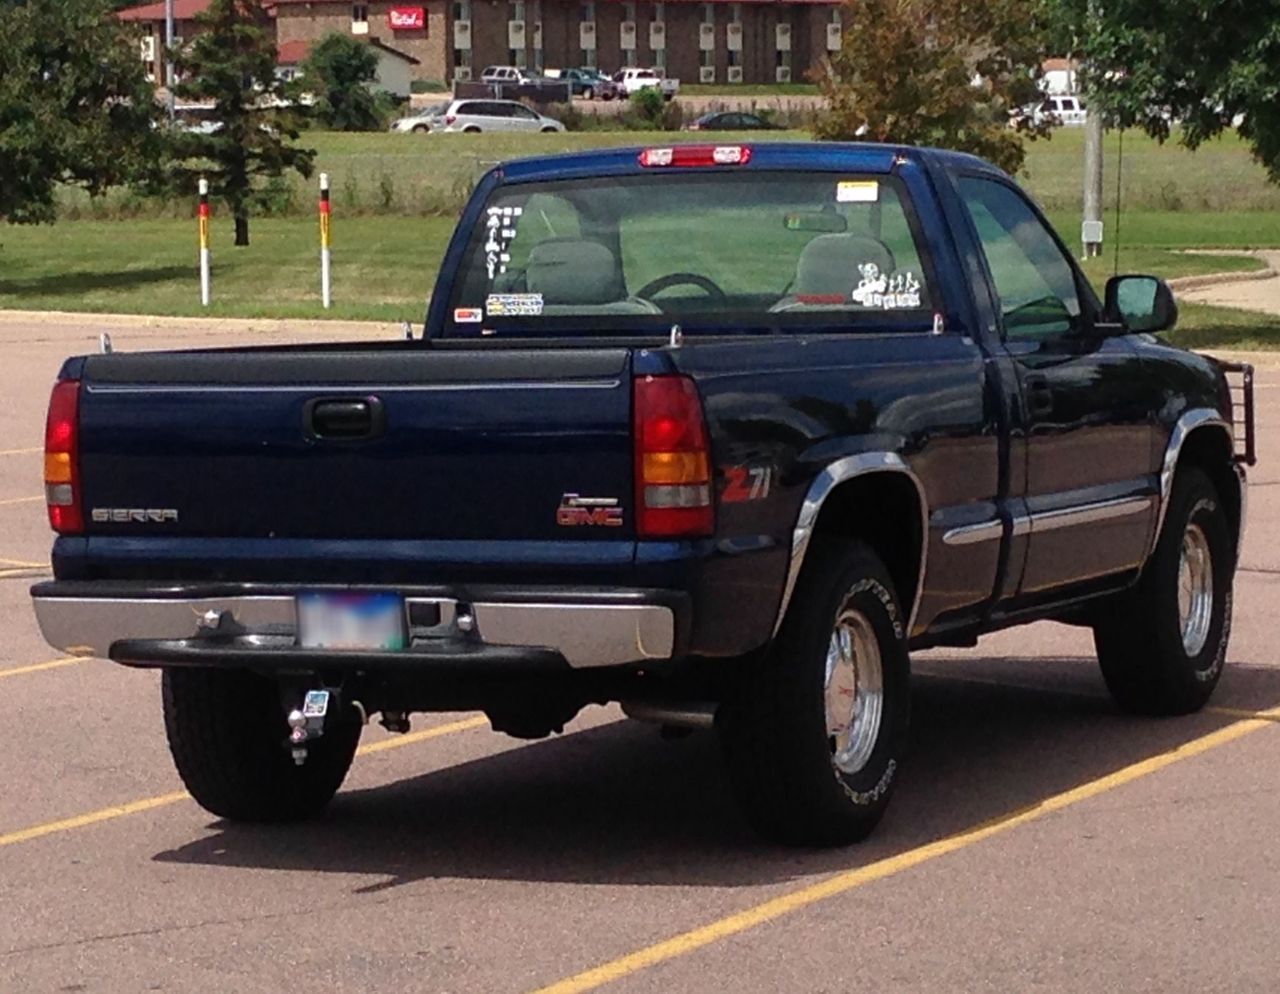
(1040, 841)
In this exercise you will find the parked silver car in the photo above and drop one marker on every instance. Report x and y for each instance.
(421, 121)
(492, 115)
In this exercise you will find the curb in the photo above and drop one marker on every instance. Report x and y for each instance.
(1222, 279)
(93, 321)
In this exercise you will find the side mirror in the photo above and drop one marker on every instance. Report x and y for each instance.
(1140, 303)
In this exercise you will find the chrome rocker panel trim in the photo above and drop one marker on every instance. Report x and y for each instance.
(587, 635)
(831, 477)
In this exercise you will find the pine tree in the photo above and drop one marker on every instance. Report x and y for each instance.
(339, 73)
(231, 61)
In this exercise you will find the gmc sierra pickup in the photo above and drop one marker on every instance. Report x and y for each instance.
(719, 432)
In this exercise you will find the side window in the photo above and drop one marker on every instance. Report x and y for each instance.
(524, 113)
(1033, 279)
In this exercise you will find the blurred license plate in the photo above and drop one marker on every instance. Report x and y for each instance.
(351, 621)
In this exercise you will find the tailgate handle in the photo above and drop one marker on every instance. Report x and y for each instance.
(344, 418)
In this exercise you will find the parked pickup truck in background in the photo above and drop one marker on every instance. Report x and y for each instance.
(719, 432)
(631, 81)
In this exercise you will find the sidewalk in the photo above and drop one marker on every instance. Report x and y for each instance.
(1252, 295)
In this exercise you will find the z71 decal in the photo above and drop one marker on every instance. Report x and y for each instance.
(744, 483)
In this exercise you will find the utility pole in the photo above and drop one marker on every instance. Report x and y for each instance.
(168, 61)
(1091, 229)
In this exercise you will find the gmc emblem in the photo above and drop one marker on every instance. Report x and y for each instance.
(601, 512)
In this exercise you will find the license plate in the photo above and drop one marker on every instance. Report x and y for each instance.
(351, 621)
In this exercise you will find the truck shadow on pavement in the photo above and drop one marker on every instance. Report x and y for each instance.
(616, 804)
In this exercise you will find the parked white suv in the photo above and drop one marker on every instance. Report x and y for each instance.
(1069, 111)
(506, 74)
(492, 115)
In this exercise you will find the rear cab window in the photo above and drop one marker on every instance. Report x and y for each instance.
(712, 251)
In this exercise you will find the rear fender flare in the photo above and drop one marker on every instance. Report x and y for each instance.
(824, 484)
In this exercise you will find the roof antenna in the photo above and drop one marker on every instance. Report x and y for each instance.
(104, 343)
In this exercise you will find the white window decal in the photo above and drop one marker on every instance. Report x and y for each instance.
(879, 290)
(857, 191)
(513, 305)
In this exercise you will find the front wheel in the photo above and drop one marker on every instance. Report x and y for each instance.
(588, 94)
(229, 739)
(1162, 645)
(814, 735)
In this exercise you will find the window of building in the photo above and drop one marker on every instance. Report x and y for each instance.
(588, 58)
(707, 58)
(735, 13)
(359, 13)
(735, 57)
(517, 10)
(708, 13)
(587, 11)
(517, 58)
(834, 16)
(784, 57)
(629, 58)
(462, 57)
(628, 11)
(659, 58)
(462, 10)
(659, 12)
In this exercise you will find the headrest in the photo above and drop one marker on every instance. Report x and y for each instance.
(828, 265)
(573, 271)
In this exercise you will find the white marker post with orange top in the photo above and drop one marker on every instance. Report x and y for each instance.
(325, 287)
(203, 214)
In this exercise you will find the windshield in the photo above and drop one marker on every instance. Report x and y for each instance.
(708, 250)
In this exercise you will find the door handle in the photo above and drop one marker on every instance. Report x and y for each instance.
(343, 418)
(1039, 396)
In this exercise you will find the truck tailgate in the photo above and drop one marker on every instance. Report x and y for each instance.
(356, 442)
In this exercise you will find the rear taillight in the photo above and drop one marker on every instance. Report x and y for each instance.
(673, 460)
(450, 118)
(62, 458)
(684, 156)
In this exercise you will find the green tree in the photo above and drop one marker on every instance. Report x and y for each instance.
(1199, 65)
(75, 105)
(935, 72)
(231, 62)
(338, 73)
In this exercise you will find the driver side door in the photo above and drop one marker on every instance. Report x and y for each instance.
(1083, 452)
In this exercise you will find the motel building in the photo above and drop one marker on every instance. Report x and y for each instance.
(695, 41)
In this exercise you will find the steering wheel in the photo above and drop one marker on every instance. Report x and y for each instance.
(681, 279)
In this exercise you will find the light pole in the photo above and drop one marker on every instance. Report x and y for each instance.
(168, 56)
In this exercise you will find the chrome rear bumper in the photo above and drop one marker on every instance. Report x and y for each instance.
(587, 634)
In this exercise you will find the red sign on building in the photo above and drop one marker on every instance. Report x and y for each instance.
(407, 18)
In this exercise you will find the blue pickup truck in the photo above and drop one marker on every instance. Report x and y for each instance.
(718, 432)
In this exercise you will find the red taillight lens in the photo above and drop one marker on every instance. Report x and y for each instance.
(62, 458)
(673, 460)
(449, 118)
(685, 156)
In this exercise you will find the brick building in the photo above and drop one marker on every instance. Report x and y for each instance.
(697, 41)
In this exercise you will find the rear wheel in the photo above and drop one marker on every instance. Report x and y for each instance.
(471, 129)
(229, 739)
(1162, 645)
(588, 93)
(420, 129)
(815, 734)
(548, 130)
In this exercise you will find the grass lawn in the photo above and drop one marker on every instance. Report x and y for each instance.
(395, 197)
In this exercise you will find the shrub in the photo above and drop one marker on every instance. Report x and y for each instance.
(672, 116)
(647, 105)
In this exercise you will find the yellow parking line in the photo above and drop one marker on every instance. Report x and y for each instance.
(20, 500)
(22, 563)
(842, 883)
(19, 452)
(1246, 713)
(52, 664)
(162, 800)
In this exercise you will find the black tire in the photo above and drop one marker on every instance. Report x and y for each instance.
(774, 730)
(229, 739)
(1139, 636)
(548, 131)
(471, 129)
(420, 129)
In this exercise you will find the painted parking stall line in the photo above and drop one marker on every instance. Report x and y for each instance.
(842, 883)
(51, 664)
(113, 812)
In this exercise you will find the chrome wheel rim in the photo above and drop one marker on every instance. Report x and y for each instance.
(1195, 590)
(853, 691)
